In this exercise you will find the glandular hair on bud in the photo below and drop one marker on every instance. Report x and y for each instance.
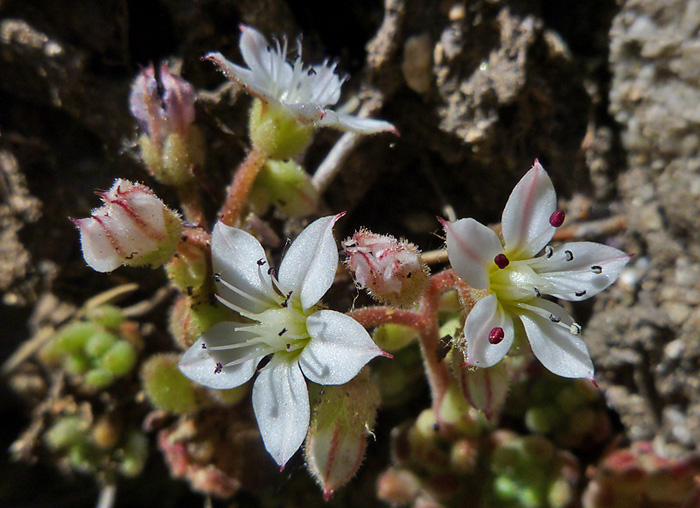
(133, 227)
(391, 270)
(341, 419)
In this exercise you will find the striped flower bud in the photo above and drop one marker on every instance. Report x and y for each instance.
(342, 419)
(133, 227)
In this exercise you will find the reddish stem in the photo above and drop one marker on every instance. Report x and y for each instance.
(425, 321)
(240, 187)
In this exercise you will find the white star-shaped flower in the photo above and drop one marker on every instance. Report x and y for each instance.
(281, 318)
(514, 280)
(304, 91)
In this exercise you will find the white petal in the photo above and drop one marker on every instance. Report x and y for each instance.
(258, 85)
(525, 221)
(281, 405)
(305, 112)
(471, 247)
(354, 123)
(254, 49)
(308, 268)
(326, 85)
(98, 249)
(236, 256)
(591, 267)
(486, 315)
(560, 351)
(339, 348)
(200, 364)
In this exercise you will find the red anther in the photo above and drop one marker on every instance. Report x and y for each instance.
(496, 335)
(557, 218)
(501, 261)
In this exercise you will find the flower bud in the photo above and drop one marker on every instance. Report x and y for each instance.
(170, 145)
(485, 389)
(342, 419)
(275, 132)
(392, 271)
(133, 227)
(166, 387)
(286, 185)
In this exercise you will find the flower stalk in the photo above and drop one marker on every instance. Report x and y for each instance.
(241, 186)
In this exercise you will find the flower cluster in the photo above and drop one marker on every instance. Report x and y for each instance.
(280, 318)
(514, 280)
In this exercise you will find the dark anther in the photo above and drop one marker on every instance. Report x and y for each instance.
(501, 261)
(219, 367)
(176, 255)
(597, 269)
(270, 270)
(288, 346)
(569, 255)
(217, 277)
(557, 218)
(496, 335)
(131, 256)
(282, 332)
(537, 292)
(204, 346)
(409, 275)
(580, 293)
(286, 300)
(554, 319)
(183, 238)
(190, 290)
(261, 262)
(311, 71)
(548, 251)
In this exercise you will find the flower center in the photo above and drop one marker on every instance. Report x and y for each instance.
(516, 282)
(281, 329)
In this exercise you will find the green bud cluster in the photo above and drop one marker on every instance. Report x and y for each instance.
(570, 412)
(530, 472)
(98, 447)
(93, 349)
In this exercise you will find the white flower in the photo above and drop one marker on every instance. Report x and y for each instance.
(514, 280)
(304, 91)
(281, 319)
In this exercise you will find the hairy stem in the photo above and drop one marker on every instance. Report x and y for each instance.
(425, 321)
(240, 187)
(191, 204)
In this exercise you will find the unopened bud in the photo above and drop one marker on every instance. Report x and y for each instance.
(166, 387)
(392, 338)
(277, 133)
(133, 227)
(286, 185)
(342, 419)
(485, 389)
(188, 269)
(191, 317)
(392, 271)
(398, 487)
(170, 145)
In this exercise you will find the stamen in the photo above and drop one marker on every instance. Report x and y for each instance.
(218, 368)
(575, 329)
(554, 319)
(285, 303)
(311, 71)
(238, 291)
(537, 292)
(501, 261)
(548, 251)
(236, 308)
(282, 332)
(580, 293)
(204, 346)
(261, 262)
(557, 218)
(597, 269)
(496, 335)
(569, 256)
